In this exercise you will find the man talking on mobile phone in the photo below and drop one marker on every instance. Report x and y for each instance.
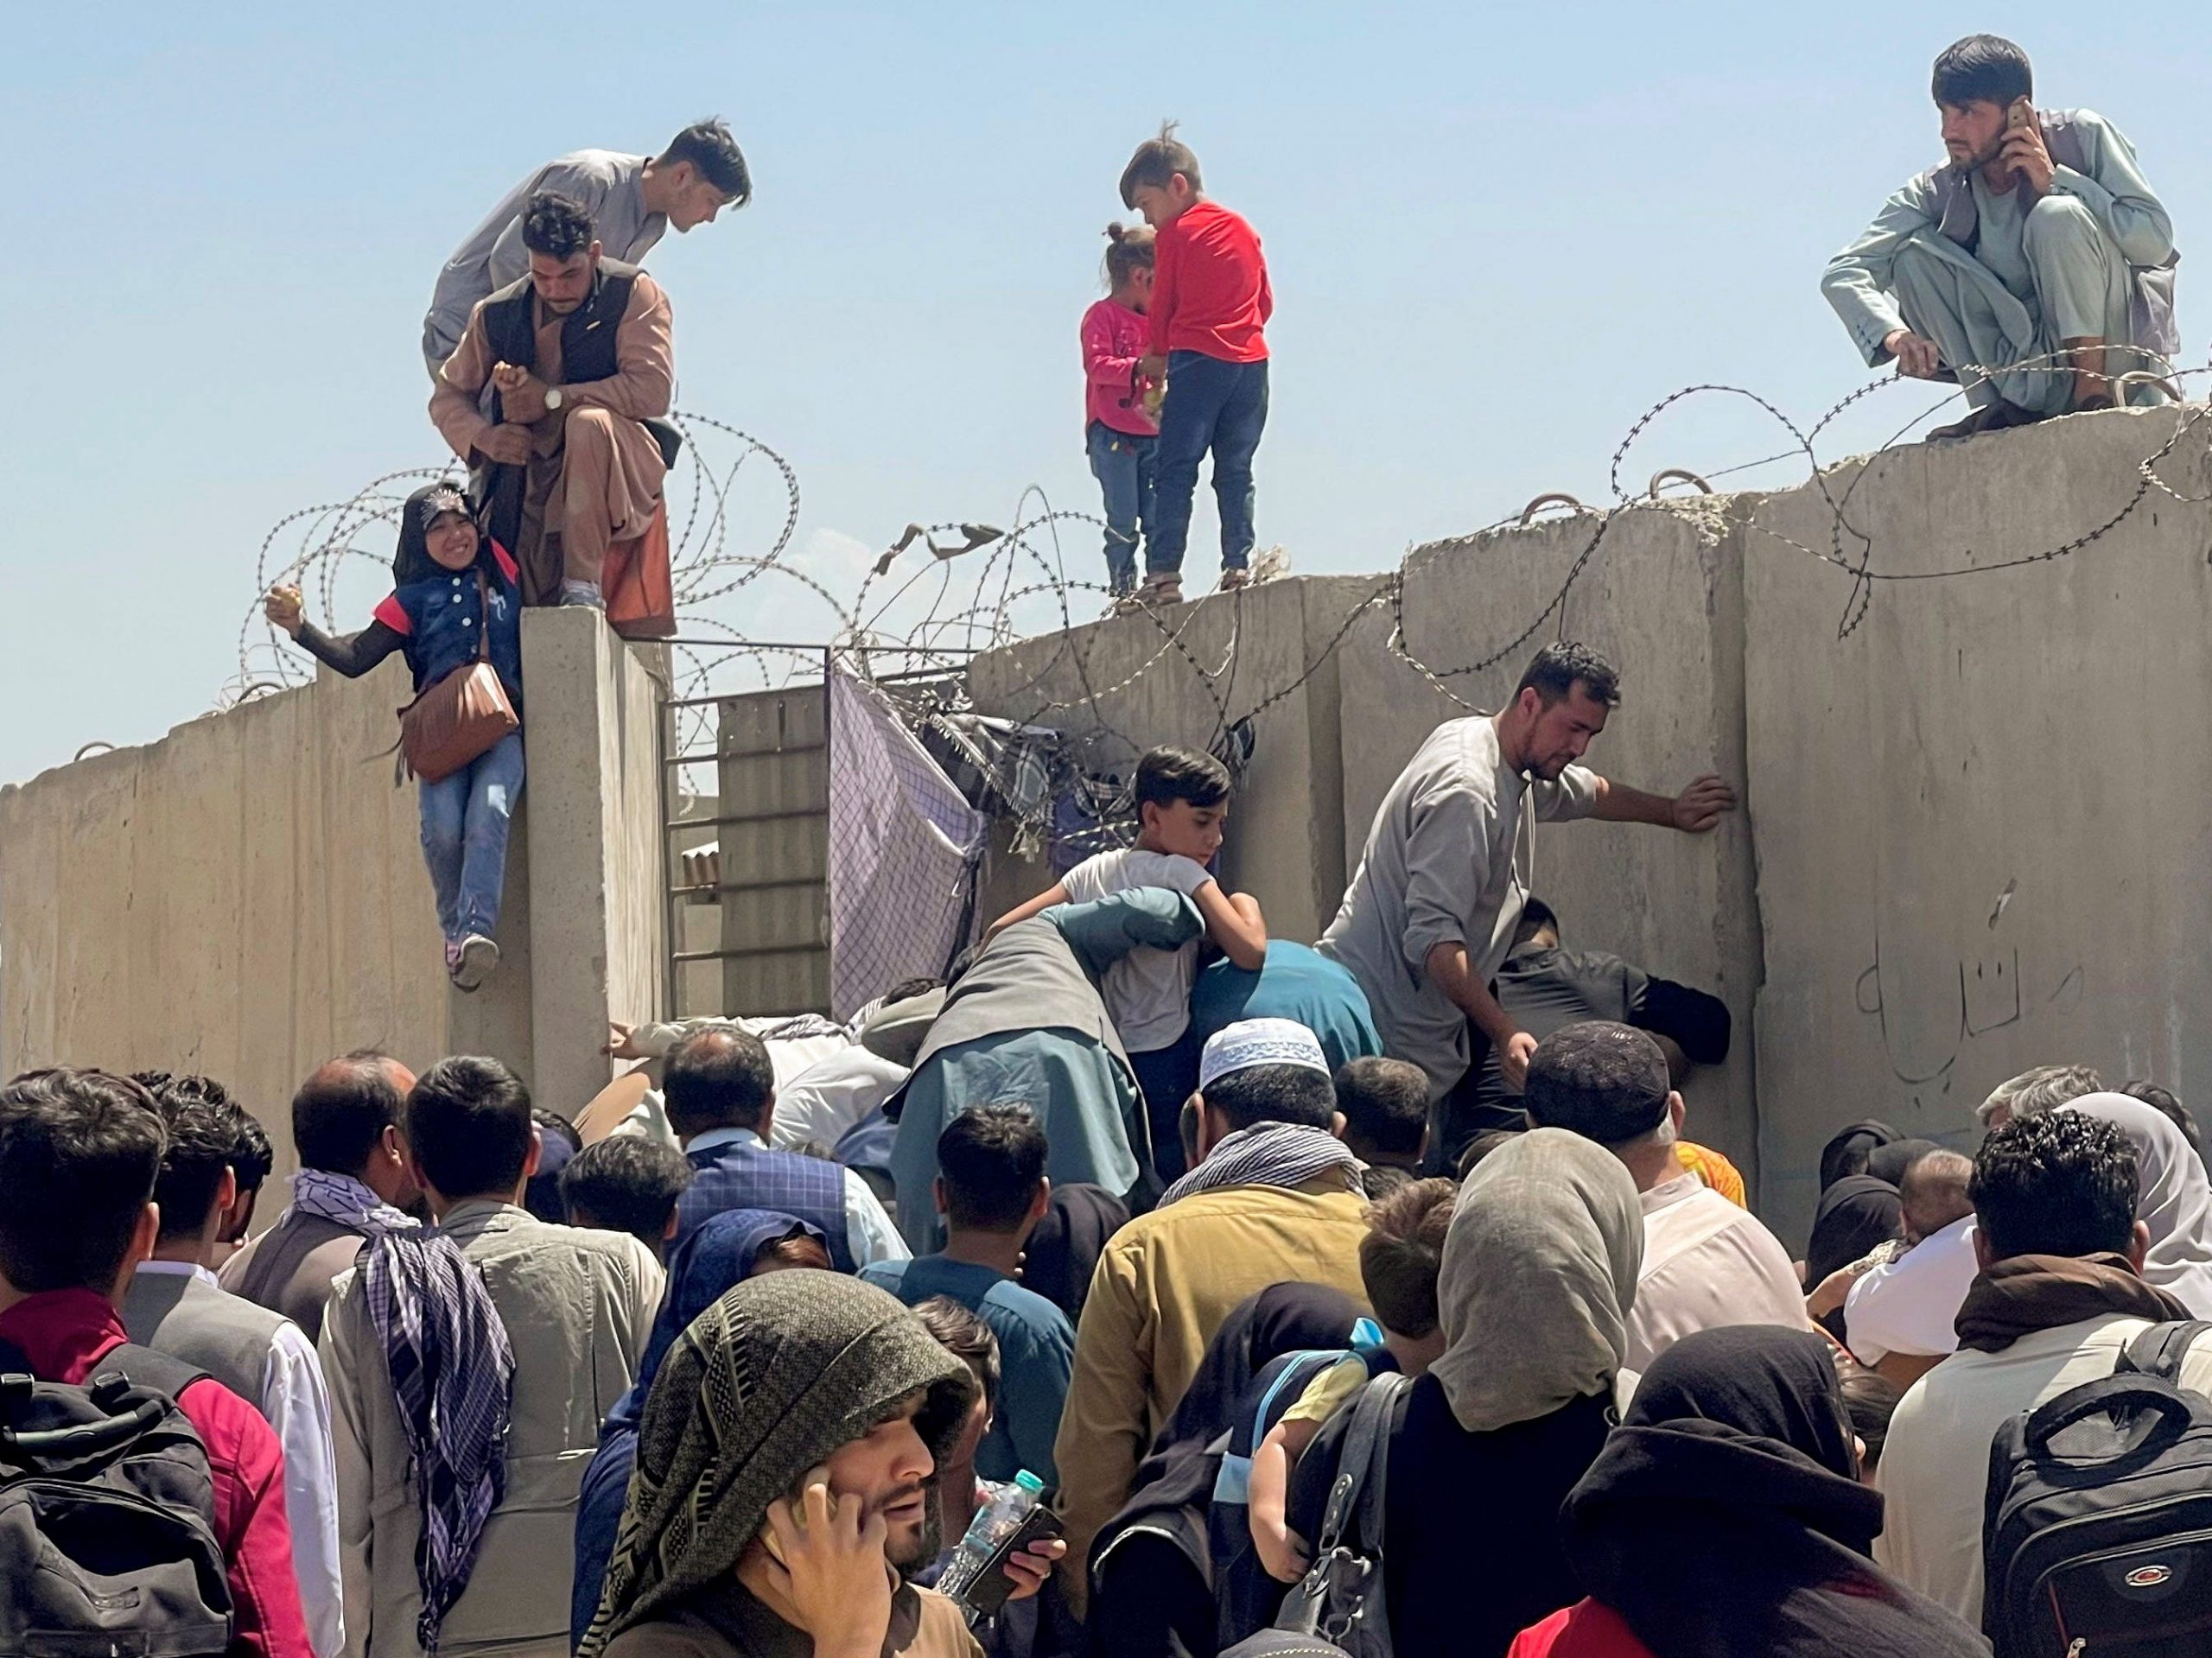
(2033, 268)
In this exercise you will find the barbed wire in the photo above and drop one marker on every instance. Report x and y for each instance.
(969, 588)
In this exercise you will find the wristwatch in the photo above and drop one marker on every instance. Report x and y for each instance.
(552, 397)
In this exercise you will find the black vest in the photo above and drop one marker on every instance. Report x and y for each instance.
(587, 353)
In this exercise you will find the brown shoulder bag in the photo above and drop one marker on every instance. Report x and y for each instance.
(462, 716)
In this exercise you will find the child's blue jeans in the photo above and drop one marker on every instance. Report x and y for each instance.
(1213, 405)
(1123, 464)
(465, 820)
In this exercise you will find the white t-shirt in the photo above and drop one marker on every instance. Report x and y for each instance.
(1148, 992)
(1911, 1304)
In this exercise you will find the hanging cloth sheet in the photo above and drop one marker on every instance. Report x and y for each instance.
(904, 848)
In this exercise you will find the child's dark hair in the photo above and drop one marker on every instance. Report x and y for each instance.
(1385, 1103)
(1157, 161)
(1130, 251)
(1402, 1253)
(1165, 775)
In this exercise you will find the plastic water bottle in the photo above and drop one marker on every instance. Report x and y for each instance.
(993, 1523)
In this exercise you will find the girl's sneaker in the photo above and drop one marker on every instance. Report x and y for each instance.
(474, 959)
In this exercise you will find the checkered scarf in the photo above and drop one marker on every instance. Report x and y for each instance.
(348, 1202)
(1268, 1154)
(453, 1377)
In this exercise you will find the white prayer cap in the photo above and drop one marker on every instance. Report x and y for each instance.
(1259, 1042)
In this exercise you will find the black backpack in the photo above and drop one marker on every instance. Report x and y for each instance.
(107, 1533)
(1341, 1609)
(2103, 1543)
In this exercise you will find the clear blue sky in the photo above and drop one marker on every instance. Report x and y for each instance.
(1498, 233)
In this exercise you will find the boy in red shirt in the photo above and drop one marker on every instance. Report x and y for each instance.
(1210, 302)
(79, 1153)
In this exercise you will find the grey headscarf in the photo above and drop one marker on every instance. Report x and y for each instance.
(2174, 1198)
(765, 1384)
(1539, 1274)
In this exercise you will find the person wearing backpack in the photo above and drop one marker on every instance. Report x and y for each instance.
(79, 1151)
(2059, 1299)
(1539, 1269)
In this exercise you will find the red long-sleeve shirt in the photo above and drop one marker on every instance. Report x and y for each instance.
(1210, 289)
(64, 1334)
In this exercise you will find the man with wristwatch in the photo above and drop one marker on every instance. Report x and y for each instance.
(558, 398)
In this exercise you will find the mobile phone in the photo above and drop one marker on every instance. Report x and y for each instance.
(2020, 115)
(987, 1593)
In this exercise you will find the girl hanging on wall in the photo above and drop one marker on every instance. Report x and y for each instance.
(454, 598)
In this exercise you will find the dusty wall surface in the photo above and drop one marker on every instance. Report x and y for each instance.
(599, 925)
(246, 897)
(1661, 598)
(1124, 686)
(2034, 732)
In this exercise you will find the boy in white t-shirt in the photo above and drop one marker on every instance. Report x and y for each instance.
(1182, 801)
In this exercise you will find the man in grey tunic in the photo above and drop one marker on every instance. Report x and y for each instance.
(2037, 243)
(630, 200)
(1430, 916)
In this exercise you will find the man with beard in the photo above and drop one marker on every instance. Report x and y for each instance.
(1431, 915)
(786, 1483)
(2036, 242)
(556, 397)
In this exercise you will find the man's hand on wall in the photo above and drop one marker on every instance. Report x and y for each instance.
(1703, 804)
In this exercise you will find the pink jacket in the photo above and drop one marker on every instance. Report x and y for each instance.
(1114, 338)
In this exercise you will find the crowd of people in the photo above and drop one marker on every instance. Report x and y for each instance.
(697, 1404)
(1357, 1297)
(1314, 1316)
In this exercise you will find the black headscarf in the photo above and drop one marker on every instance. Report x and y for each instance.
(412, 561)
(1847, 1153)
(1724, 1518)
(1153, 1565)
(1856, 1213)
(1282, 1319)
(1063, 1252)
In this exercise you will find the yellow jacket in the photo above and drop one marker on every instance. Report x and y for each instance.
(1163, 1286)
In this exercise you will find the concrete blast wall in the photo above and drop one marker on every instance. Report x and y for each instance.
(246, 897)
(1980, 819)
(1973, 830)
(1125, 686)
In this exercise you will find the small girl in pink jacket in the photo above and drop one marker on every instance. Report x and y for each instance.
(1121, 433)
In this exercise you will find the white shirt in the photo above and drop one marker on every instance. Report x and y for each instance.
(870, 1234)
(1706, 1264)
(1935, 1469)
(818, 1105)
(298, 1404)
(1911, 1305)
(1148, 992)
